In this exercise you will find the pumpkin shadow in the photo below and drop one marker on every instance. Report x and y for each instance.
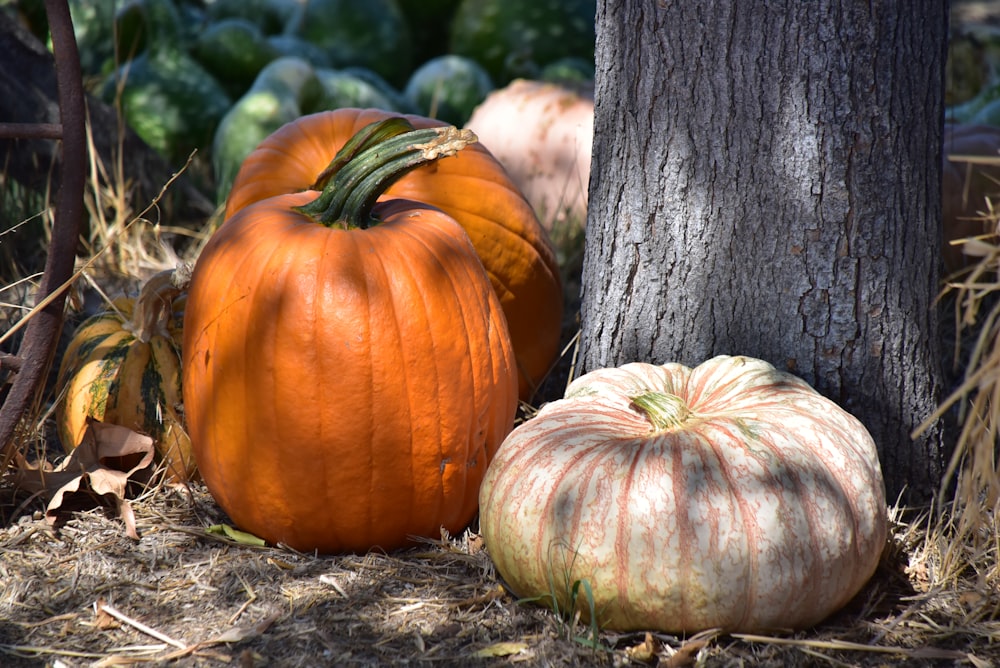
(889, 592)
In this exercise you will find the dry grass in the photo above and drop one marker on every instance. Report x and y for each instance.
(84, 594)
(208, 600)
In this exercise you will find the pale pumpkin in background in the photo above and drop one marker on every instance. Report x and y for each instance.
(730, 495)
(543, 133)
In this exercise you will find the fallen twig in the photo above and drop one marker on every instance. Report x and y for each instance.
(125, 619)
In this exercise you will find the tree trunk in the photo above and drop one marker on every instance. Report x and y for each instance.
(766, 183)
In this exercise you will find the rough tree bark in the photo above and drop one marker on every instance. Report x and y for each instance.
(766, 183)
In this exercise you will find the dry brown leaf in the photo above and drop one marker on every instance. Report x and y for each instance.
(644, 652)
(972, 599)
(687, 654)
(491, 595)
(475, 543)
(102, 619)
(98, 469)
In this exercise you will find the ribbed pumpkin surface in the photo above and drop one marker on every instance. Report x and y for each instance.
(761, 507)
(345, 389)
(471, 187)
(115, 371)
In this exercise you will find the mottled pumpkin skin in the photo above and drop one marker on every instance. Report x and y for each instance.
(471, 187)
(345, 389)
(114, 373)
(763, 509)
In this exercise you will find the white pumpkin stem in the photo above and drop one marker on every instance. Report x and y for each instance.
(666, 411)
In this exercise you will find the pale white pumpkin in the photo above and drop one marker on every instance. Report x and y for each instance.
(731, 496)
(543, 134)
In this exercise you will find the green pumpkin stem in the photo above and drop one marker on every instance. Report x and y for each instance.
(383, 155)
(666, 411)
(368, 136)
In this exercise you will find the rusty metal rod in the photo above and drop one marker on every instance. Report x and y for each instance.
(42, 332)
(31, 130)
(12, 362)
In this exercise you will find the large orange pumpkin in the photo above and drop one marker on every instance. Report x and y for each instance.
(347, 383)
(472, 187)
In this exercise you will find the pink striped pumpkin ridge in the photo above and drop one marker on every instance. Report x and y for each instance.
(763, 508)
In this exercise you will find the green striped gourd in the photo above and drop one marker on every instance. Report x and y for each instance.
(122, 367)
